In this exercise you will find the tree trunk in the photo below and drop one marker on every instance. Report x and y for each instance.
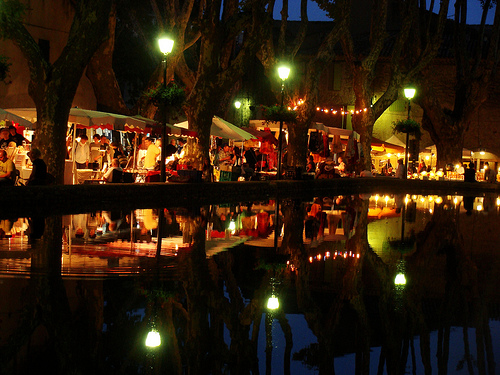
(102, 76)
(447, 134)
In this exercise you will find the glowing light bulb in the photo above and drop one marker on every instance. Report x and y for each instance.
(400, 279)
(153, 339)
(273, 303)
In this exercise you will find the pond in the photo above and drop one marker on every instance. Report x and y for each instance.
(365, 283)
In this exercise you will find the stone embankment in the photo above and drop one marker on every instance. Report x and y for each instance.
(26, 201)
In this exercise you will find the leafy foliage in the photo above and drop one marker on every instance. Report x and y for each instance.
(407, 126)
(171, 96)
(277, 113)
(10, 10)
(4, 67)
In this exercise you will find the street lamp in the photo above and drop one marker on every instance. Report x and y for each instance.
(166, 45)
(237, 104)
(153, 340)
(283, 72)
(409, 94)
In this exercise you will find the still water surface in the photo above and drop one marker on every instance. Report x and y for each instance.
(376, 285)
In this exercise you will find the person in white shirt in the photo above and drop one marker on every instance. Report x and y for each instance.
(82, 153)
(115, 165)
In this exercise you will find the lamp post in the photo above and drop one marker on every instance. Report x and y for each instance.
(409, 94)
(283, 73)
(166, 46)
(237, 105)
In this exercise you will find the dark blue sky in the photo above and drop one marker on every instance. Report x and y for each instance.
(316, 14)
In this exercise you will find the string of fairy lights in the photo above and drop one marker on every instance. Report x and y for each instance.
(329, 110)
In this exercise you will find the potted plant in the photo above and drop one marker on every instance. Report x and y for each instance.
(171, 96)
(407, 126)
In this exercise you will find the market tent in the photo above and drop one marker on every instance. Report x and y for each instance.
(222, 129)
(332, 130)
(384, 146)
(9, 116)
(395, 141)
(86, 118)
(263, 135)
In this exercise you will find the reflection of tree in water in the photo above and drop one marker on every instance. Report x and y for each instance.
(401, 314)
(50, 333)
(323, 317)
(463, 300)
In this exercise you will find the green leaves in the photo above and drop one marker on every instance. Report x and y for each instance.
(172, 95)
(11, 12)
(277, 113)
(407, 126)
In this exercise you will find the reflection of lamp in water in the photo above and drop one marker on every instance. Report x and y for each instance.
(376, 200)
(386, 199)
(153, 340)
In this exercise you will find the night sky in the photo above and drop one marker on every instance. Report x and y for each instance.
(316, 14)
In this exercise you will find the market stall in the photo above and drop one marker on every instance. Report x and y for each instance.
(89, 119)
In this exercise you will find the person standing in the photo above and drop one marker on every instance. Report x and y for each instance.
(95, 153)
(490, 173)
(401, 170)
(15, 137)
(152, 152)
(470, 173)
(106, 148)
(82, 153)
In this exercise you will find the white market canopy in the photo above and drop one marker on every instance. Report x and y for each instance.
(86, 118)
(92, 119)
(16, 119)
(223, 129)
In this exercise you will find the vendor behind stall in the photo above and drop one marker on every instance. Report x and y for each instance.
(15, 137)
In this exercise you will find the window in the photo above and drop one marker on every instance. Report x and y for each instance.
(45, 49)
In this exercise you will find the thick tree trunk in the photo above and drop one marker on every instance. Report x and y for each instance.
(447, 134)
(101, 74)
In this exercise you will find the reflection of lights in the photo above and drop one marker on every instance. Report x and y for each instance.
(407, 200)
(414, 197)
(479, 207)
(400, 279)
(273, 303)
(386, 199)
(318, 257)
(327, 254)
(310, 259)
(455, 200)
(498, 201)
(153, 340)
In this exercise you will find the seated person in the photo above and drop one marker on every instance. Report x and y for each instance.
(110, 175)
(39, 173)
(341, 166)
(7, 169)
(311, 166)
(15, 137)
